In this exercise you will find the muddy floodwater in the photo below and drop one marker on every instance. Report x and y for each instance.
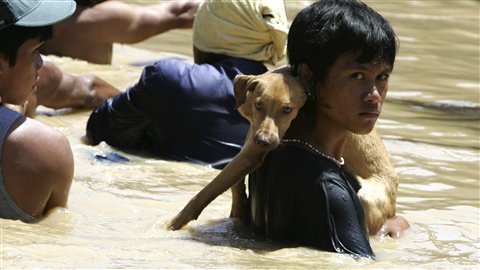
(430, 124)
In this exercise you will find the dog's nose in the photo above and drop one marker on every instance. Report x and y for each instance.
(262, 140)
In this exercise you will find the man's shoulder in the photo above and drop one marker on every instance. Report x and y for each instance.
(175, 71)
(303, 162)
(175, 66)
(31, 127)
(294, 154)
(35, 141)
(166, 70)
(35, 151)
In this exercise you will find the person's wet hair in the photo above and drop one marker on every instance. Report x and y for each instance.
(12, 37)
(322, 32)
(88, 3)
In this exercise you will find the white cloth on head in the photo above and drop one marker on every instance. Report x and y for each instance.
(251, 29)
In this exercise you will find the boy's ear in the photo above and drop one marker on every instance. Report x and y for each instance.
(304, 70)
(305, 76)
(240, 87)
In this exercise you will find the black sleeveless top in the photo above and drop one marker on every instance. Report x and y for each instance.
(303, 198)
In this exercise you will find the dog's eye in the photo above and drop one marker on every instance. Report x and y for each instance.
(258, 105)
(287, 109)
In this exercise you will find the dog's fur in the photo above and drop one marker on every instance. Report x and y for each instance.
(270, 102)
(368, 162)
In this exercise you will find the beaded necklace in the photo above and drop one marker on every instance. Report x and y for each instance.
(316, 151)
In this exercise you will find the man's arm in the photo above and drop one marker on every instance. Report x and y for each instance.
(333, 215)
(57, 89)
(90, 33)
(346, 220)
(119, 22)
(37, 164)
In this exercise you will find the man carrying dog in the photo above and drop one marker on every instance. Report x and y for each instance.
(343, 52)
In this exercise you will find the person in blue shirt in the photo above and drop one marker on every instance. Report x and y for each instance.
(343, 52)
(186, 111)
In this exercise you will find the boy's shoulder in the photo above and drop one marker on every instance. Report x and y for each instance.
(37, 150)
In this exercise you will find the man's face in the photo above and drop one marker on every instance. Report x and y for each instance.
(17, 83)
(352, 94)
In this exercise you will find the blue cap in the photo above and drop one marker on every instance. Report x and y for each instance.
(32, 13)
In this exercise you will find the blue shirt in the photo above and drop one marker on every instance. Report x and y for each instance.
(178, 110)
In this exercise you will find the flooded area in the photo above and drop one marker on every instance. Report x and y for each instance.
(430, 124)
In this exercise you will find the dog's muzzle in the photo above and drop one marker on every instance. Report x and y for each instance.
(265, 141)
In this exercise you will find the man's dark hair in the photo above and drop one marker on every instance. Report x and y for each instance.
(88, 3)
(12, 37)
(323, 31)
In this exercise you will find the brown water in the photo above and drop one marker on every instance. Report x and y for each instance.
(430, 124)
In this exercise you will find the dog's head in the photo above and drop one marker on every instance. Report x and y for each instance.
(270, 102)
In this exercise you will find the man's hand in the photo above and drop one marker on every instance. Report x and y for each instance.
(394, 227)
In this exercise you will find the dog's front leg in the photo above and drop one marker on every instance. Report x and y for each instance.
(239, 195)
(242, 164)
(239, 200)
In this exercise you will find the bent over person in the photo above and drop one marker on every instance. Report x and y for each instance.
(186, 111)
(36, 162)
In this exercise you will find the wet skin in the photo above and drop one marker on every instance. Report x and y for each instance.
(18, 82)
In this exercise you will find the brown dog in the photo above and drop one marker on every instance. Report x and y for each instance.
(270, 102)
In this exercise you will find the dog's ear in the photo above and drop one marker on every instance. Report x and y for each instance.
(241, 84)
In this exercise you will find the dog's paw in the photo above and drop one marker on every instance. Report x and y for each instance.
(378, 204)
(181, 219)
(177, 223)
(237, 212)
